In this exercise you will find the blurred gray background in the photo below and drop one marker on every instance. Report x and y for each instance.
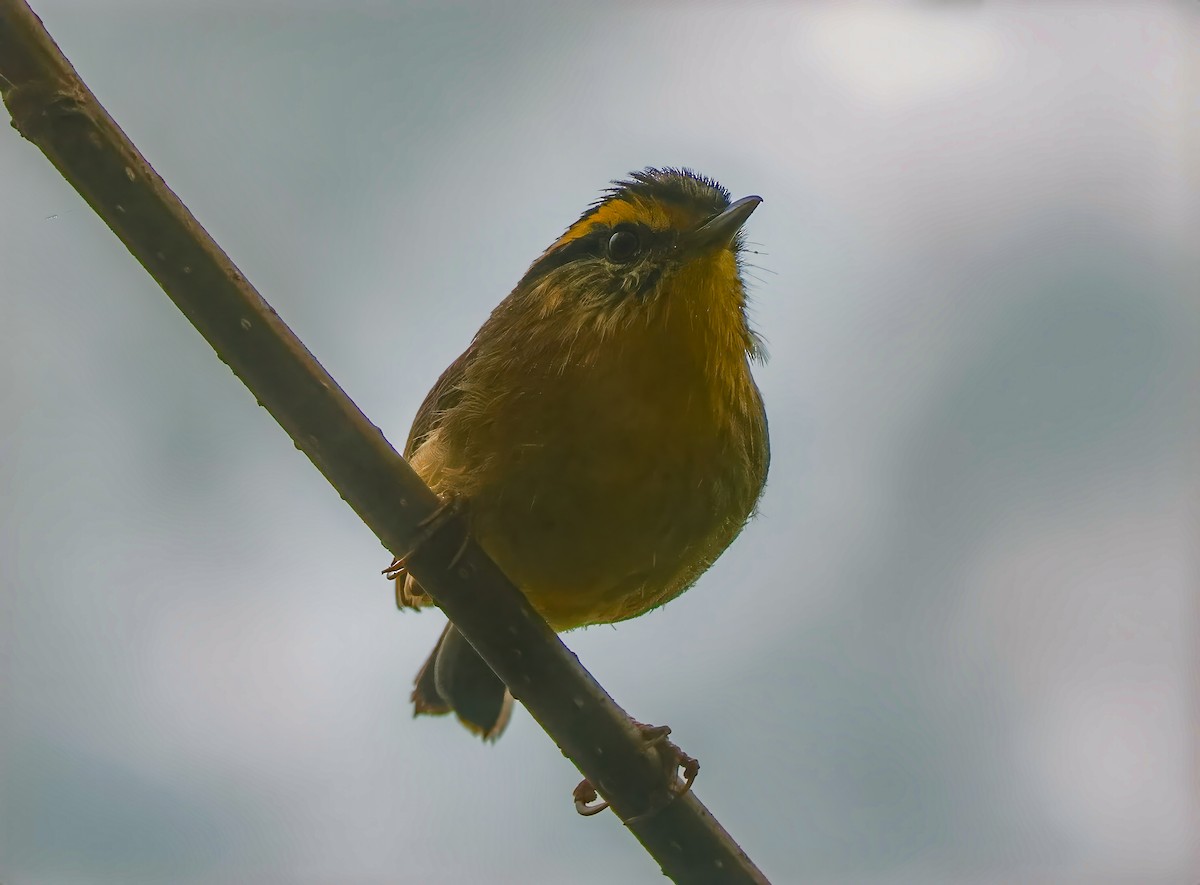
(958, 645)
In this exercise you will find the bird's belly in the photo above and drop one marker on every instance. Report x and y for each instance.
(605, 488)
(599, 532)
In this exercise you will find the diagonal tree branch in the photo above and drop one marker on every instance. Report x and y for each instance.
(51, 107)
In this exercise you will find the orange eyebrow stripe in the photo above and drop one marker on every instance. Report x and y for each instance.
(656, 216)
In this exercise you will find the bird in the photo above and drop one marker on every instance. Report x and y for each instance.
(602, 436)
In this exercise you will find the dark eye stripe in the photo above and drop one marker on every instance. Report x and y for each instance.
(591, 245)
(581, 247)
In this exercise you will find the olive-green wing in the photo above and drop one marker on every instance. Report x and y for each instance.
(444, 396)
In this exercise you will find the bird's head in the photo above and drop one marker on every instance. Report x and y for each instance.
(658, 250)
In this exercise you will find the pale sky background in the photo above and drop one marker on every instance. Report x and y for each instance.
(958, 645)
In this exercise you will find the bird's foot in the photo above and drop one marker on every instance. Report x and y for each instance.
(406, 597)
(673, 759)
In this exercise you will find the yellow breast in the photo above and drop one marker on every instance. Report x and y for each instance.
(604, 480)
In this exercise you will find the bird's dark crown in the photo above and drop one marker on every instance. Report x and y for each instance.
(678, 187)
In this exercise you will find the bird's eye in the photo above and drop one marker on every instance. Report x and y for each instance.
(623, 246)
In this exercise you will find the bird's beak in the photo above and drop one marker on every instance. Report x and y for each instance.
(720, 230)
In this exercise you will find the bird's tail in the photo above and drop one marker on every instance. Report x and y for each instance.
(455, 679)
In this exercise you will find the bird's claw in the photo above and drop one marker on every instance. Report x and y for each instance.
(588, 801)
(426, 529)
(585, 794)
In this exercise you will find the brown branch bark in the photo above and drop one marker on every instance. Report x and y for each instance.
(51, 107)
